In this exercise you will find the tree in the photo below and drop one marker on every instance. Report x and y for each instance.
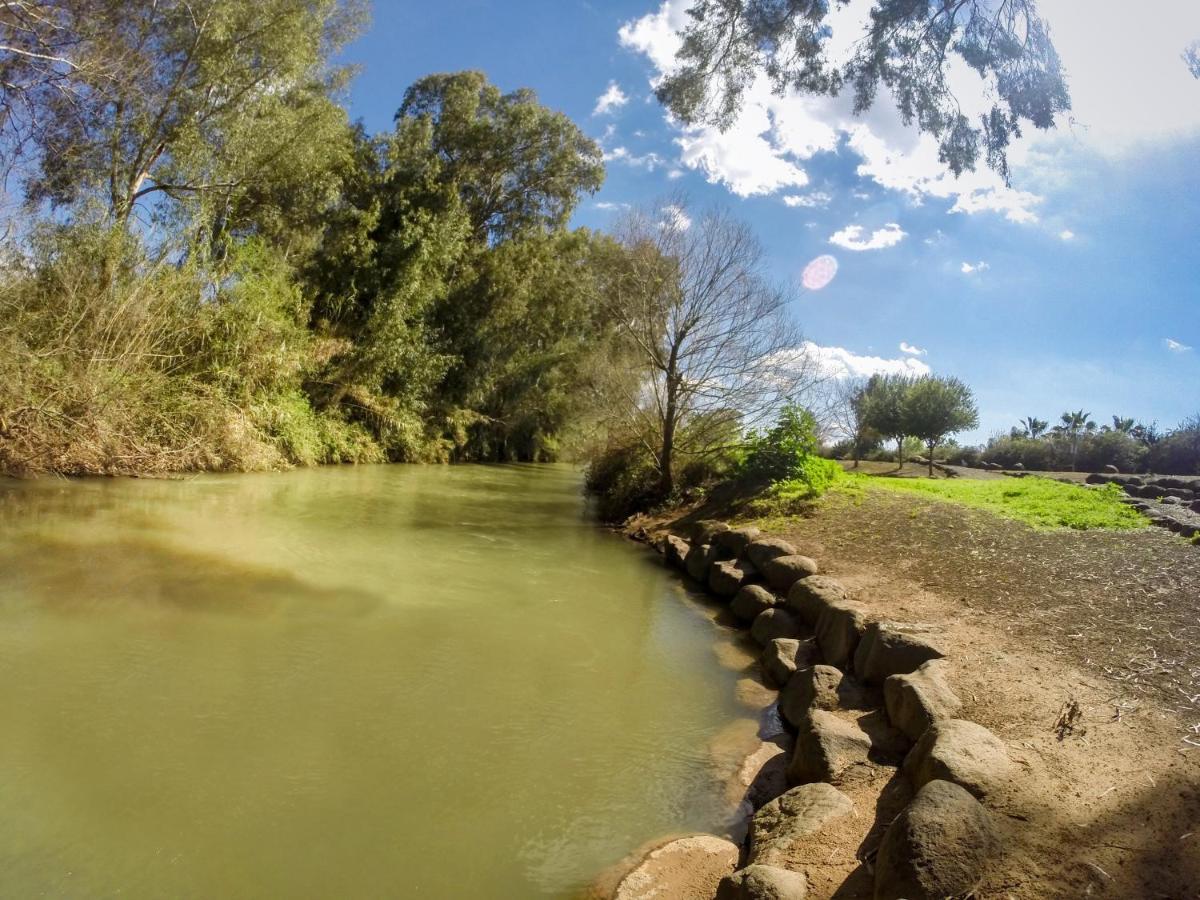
(906, 49)
(1123, 425)
(515, 164)
(885, 395)
(934, 408)
(1033, 427)
(849, 414)
(1072, 429)
(178, 100)
(711, 344)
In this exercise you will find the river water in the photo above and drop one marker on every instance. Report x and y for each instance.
(382, 681)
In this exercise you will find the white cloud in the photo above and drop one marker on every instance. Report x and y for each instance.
(648, 161)
(816, 200)
(1067, 234)
(838, 362)
(906, 347)
(606, 206)
(968, 268)
(612, 99)
(675, 173)
(851, 237)
(1175, 346)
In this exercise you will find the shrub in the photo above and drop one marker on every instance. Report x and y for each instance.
(781, 453)
(1179, 452)
(624, 481)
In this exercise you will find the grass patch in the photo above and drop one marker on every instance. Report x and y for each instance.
(1040, 502)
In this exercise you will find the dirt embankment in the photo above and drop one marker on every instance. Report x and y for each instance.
(1041, 623)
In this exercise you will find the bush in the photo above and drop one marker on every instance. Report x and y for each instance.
(1111, 448)
(1035, 455)
(1179, 452)
(624, 481)
(781, 453)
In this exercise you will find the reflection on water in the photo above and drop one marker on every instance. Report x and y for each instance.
(368, 682)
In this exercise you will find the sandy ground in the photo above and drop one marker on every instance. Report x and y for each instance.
(1035, 622)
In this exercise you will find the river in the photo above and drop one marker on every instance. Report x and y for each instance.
(382, 681)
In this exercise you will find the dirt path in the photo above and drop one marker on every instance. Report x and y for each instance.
(1110, 807)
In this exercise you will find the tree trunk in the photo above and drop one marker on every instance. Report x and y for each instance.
(900, 452)
(932, 444)
(666, 480)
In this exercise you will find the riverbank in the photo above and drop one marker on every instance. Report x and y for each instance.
(1099, 626)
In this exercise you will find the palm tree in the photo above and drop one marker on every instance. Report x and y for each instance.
(1034, 427)
(1073, 426)
(1125, 426)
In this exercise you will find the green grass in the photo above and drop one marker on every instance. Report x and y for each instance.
(1039, 502)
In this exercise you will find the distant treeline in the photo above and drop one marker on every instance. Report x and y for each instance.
(208, 266)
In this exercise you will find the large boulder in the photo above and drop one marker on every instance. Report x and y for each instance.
(826, 746)
(784, 825)
(675, 550)
(763, 883)
(706, 531)
(810, 596)
(884, 650)
(938, 847)
(961, 752)
(815, 687)
(726, 578)
(698, 559)
(751, 600)
(784, 571)
(838, 630)
(1112, 470)
(782, 657)
(689, 867)
(763, 549)
(773, 623)
(735, 540)
(917, 700)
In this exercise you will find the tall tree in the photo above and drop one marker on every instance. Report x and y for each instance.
(935, 408)
(178, 99)
(711, 339)
(906, 49)
(885, 396)
(1073, 426)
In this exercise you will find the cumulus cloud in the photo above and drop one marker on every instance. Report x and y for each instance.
(815, 200)
(612, 99)
(1175, 346)
(838, 362)
(970, 269)
(606, 206)
(1067, 234)
(906, 347)
(675, 216)
(851, 237)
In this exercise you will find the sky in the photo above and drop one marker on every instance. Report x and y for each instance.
(1077, 287)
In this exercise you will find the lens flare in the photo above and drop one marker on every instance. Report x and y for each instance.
(819, 272)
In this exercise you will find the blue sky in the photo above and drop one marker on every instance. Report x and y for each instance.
(1079, 287)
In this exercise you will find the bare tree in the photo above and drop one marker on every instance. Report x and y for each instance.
(847, 415)
(713, 347)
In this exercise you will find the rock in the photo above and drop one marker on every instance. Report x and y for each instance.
(763, 549)
(885, 651)
(917, 700)
(698, 559)
(1097, 478)
(763, 883)
(783, 656)
(816, 687)
(792, 819)
(809, 597)
(773, 623)
(751, 600)
(961, 752)
(762, 775)
(1188, 530)
(706, 531)
(784, 571)
(838, 630)
(726, 578)
(938, 846)
(1195, 507)
(689, 867)
(1112, 470)
(1170, 500)
(826, 746)
(735, 540)
(675, 549)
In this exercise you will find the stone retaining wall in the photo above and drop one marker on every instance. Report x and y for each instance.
(859, 695)
(1168, 501)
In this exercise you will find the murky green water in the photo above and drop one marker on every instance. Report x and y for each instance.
(369, 682)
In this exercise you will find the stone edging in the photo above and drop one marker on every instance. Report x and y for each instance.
(827, 655)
